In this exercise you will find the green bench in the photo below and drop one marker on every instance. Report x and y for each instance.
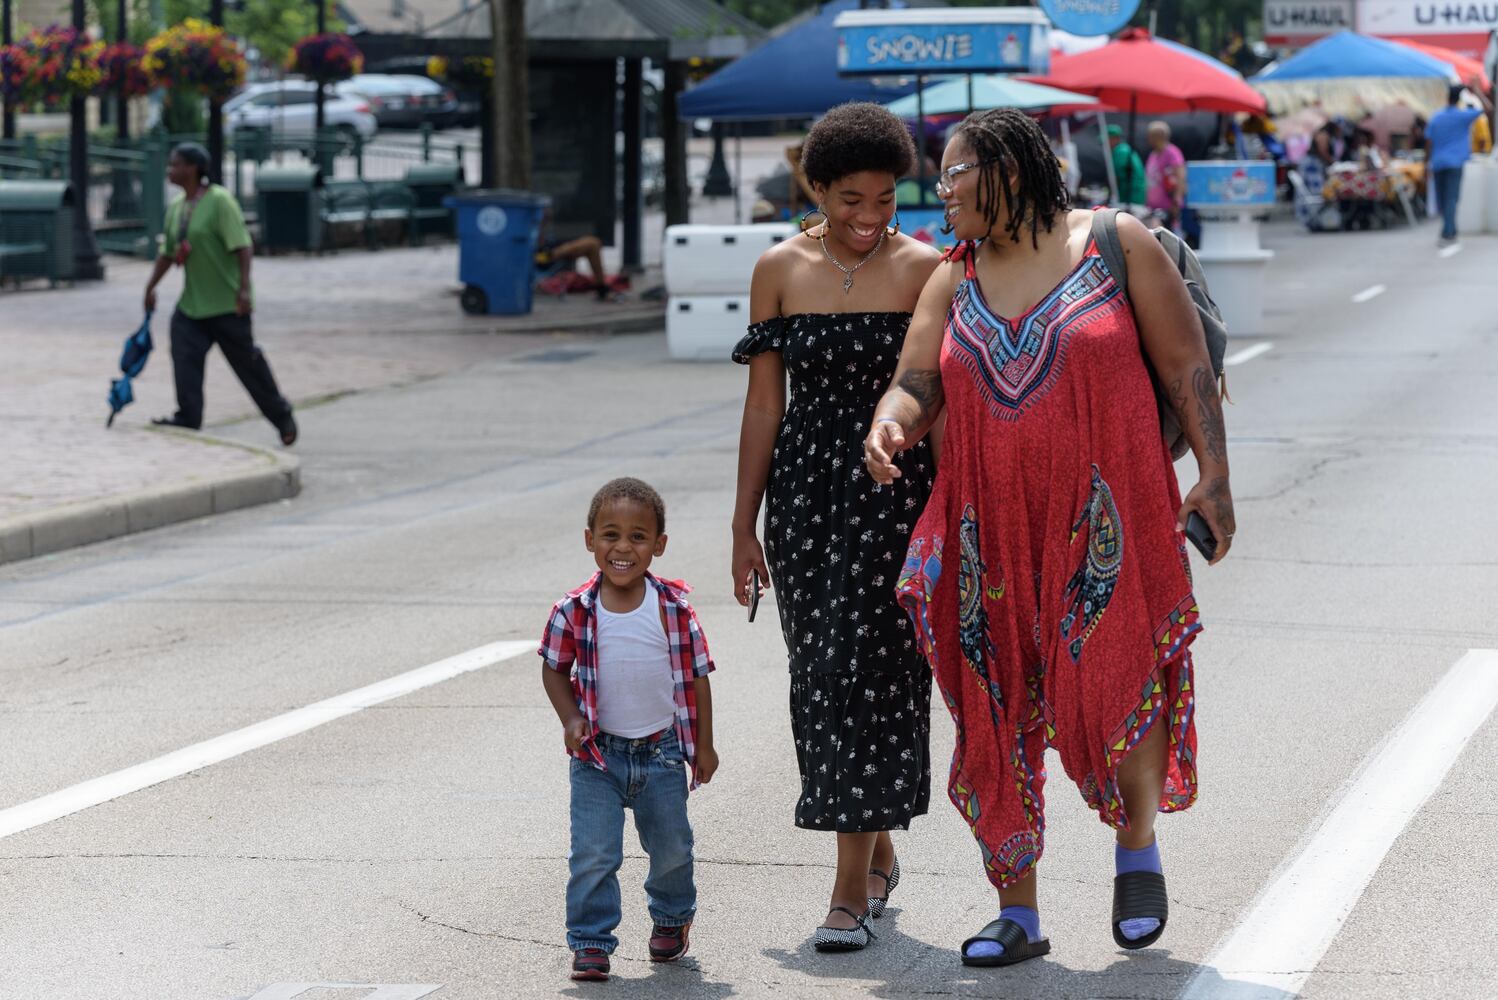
(367, 204)
(431, 184)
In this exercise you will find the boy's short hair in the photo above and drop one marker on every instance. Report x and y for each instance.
(629, 488)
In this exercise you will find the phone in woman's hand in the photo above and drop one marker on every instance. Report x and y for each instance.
(753, 593)
(1201, 536)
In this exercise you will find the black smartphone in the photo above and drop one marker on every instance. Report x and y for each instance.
(753, 593)
(1201, 536)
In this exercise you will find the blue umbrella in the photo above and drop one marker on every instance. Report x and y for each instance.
(988, 91)
(132, 363)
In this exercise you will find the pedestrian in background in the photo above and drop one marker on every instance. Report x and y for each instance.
(1166, 170)
(625, 665)
(205, 235)
(1128, 169)
(828, 312)
(1449, 139)
(1047, 576)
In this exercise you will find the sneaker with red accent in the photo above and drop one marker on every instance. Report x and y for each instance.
(667, 944)
(590, 964)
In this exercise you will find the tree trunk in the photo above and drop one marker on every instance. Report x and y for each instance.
(510, 107)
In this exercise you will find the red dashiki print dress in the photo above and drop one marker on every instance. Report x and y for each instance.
(1046, 578)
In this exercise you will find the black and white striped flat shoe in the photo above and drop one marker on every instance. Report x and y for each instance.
(891, 879)
(844, 938)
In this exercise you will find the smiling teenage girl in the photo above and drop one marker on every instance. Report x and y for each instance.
(829, 311)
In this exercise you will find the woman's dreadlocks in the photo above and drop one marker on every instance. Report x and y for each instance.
(1011, 147)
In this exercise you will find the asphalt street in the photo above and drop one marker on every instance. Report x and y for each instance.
(419, 842)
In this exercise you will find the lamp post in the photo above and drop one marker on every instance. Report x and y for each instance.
(9, 127)
(123, 204)
(86, 263)
(322, 29)
(215, 108)
(122, 109)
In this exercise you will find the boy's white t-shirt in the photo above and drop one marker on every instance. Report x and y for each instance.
(636, 687)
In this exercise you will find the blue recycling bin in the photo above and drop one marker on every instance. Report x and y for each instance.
(497, 233)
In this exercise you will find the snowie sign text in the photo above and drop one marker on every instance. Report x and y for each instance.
(943, 40)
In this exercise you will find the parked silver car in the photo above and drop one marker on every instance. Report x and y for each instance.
(289, 108)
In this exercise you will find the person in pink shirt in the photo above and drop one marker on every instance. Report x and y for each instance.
(1166, 172)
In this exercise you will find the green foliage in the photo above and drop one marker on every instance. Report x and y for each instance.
(105, 14)
(768, 13)
(182, 113)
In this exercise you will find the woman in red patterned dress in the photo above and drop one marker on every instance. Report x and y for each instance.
(1047, 576)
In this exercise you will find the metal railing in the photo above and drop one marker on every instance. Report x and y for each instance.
(127, 180)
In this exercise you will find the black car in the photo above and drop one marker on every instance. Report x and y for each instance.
(404, 100)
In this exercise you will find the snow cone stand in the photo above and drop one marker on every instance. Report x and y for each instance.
(1230, 196)
(945, 42)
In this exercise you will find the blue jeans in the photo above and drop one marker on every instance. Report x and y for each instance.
(1448, 193)
(650, 778)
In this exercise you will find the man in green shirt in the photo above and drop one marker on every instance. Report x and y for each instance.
(1128, 169)
(206, 236)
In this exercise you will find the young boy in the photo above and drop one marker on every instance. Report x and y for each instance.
(625, 665)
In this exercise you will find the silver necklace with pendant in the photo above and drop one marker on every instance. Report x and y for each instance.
(848, 271)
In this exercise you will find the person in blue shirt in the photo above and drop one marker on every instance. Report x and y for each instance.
(1448, 139)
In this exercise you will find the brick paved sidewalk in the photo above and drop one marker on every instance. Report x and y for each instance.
(329, 325)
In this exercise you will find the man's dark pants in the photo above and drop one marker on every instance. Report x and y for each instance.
(1448, 195)
(191, 341)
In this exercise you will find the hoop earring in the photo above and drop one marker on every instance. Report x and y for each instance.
(805, 228)
(895, 229)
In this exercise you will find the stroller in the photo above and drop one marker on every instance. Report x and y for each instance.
(1314, 212)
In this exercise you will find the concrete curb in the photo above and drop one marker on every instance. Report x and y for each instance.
(626, 319)
(92, 521)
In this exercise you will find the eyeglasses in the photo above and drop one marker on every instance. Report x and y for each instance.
(945, 179)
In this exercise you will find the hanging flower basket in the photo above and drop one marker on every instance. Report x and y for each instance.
(195, 55)
(327, 58)
(124, 71)
(469, 72)
(50, 66)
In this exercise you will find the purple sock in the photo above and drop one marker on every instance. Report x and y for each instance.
(1146, 859)
(1022, 915)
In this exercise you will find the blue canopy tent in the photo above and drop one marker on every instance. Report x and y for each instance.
(793, 74)
(1350, 75)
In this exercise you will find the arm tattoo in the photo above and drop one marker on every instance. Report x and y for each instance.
(1222, 503)
(1209, 411)
(1178, 397)
(924, 386)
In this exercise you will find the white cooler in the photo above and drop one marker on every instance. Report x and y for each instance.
(705, 327)
(1471, 210)
(717, 260)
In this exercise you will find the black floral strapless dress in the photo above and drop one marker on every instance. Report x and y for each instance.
(835, 543)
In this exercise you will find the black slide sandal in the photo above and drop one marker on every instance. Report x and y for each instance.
(1136, 895)
(1017, 945)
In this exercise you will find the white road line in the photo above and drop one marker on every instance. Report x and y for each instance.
(1370, 293)
(1450, 251)
(200, 755)
(1277, 947)
(1247, 354)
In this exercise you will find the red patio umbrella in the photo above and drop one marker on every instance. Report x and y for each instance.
(1138, 73)
(1469, 69)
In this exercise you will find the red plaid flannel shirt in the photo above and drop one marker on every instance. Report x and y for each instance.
(569, 644)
